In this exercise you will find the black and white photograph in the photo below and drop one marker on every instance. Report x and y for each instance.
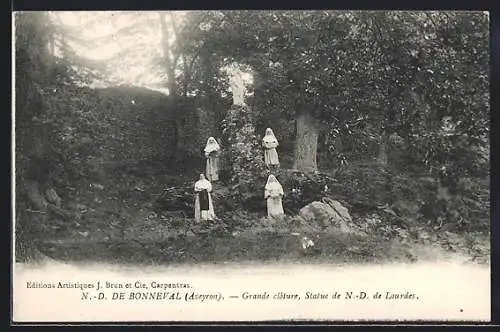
(251, 166)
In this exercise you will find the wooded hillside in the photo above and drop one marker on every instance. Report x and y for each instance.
(386, 113)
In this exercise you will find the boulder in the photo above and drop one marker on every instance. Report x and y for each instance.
(327, 216)
(340, 209)
(319, 213)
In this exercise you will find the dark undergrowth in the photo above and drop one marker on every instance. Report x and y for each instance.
(117, 220)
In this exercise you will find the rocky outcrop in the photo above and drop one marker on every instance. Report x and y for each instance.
(328, 214)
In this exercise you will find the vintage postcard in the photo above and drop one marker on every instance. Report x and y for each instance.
(251, 166)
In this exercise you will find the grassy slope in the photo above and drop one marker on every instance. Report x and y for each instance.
(115, 223)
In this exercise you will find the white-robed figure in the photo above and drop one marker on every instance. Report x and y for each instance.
(238, 88)
(270, 143)
(212, 150)
(203, 206)
(273, 194)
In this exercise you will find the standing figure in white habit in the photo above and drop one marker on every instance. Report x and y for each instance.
(270, 143)
(203, 206)
(212, 150)
(238, 88)
(273, 194)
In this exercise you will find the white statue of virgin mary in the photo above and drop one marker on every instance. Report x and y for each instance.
(238, 88)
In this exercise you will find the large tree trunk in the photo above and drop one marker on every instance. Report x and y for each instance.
(32, 141)
(209, 73)
(170, 59)
(306, 143)
(31, 215)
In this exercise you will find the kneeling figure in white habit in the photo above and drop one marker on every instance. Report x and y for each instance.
(273, 194)
(270, 143)
(203, 206)
(212, 150)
